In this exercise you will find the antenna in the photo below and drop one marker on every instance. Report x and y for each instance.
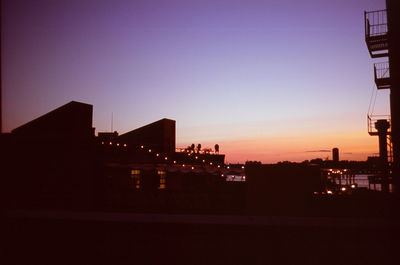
(112, 121)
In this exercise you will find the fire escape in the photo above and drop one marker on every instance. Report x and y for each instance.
(376, 38)
(376, 31)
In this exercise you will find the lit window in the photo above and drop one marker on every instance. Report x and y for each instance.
(135, 178)
(163, 179)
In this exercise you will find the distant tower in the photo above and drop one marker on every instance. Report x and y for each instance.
(382, 33)
(335, 154)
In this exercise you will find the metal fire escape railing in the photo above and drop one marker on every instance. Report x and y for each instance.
(371, 119)
(376, 30)
(382, 75)
(373, 131)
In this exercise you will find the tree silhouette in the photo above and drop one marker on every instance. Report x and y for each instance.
(198, 148)
(216, 147)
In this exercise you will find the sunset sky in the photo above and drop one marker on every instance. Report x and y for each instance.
(266, 80)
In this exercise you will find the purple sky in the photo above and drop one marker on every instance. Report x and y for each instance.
(265, 79)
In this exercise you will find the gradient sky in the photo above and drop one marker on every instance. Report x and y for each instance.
(267, 80)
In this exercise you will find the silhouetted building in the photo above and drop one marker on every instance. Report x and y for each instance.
(56, 162)
(335, 154)
(72, 120)
(50, 160)
(158, 136)
(107, 137)
(278, 189)
(393, 20)
(142, 171)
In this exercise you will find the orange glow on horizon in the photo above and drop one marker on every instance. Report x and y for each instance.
(355, 145)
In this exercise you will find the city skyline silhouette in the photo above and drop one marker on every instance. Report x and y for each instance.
(200, 132)
(268, 81)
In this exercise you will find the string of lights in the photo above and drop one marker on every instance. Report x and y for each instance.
(190, 154)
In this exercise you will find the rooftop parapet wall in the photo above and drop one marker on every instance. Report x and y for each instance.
(159, 136)
(72, 119)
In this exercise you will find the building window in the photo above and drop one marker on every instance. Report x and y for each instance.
(163, 179)
(135, 178)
